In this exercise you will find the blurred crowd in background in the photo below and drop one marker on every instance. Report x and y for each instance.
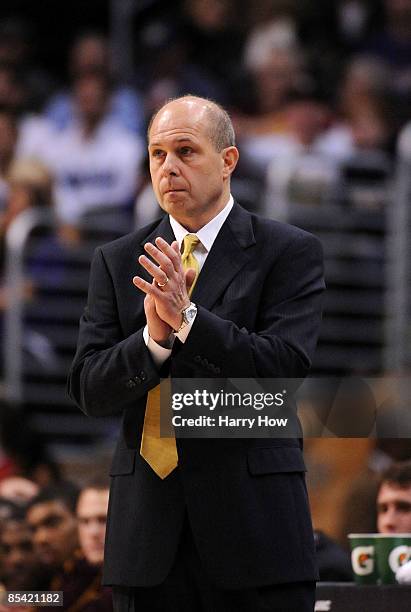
(319, 93)
(309, 86)
(52, 529)
(316, 89)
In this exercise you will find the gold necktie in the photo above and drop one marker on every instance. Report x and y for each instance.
(161, 453)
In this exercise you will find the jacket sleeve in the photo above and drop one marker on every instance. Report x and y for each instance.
(109, 372)
(288, 322)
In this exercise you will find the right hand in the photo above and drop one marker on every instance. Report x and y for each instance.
(169, 288)
(158, 330)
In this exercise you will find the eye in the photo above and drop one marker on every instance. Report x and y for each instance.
(156, 153)
(52, 521)
(404, 506)
(185, 150)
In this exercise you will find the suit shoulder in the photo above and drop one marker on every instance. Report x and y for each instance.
(129, 241)
(283, 233)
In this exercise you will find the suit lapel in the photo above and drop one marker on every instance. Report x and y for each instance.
(229, 253)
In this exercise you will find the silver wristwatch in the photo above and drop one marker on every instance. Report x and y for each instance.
(188, 316)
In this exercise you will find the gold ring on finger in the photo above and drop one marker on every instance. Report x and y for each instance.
(161, 285)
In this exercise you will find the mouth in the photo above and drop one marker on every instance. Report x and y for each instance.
(46, 556)
(174, 191)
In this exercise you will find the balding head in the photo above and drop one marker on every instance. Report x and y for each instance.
(191, 159)
(219, 126)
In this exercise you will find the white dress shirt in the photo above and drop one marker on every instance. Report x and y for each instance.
(206, 235)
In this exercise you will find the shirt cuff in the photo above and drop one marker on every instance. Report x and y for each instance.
(183, 334)
(157, 352)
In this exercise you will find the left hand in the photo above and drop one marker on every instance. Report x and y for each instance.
(171, 299)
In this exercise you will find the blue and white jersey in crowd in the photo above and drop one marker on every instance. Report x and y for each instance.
(101, 170)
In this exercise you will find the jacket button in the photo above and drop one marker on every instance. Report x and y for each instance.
(130, 384)
(217, 370)
(137, 379)
(143, 375)
(197, 358)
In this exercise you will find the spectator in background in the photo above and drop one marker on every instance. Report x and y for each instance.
(29, 186)
(167, 47)
(8, 139)
(273, 27)
(394, 499)
(17, 49)
(337, 26)
(364, 141)
(94, 161)
(51, 517)
(393, 44)
(92, 507)
(12, 92)
(80, 579)
(90, 54)
(276, 64)
(276, 74)
(301, 173)
(212, 31)
(359, 512)
(19, 569)
(367, 123)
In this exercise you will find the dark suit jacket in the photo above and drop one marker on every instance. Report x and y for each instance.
(258, 298)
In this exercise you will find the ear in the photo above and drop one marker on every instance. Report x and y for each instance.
(230, 157)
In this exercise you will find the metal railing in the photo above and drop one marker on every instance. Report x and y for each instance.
(398, 277)
(17, 237)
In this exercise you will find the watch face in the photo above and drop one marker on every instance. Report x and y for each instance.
(189, 314)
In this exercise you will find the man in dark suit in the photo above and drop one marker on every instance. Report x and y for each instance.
(212, 525)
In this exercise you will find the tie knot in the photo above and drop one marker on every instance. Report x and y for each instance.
(189, 244)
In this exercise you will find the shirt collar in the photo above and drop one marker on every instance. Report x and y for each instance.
(208, 233)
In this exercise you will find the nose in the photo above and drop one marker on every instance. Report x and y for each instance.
(387, 521)
(17, 559)
(170, 165)
(94, 529)
(41, 535)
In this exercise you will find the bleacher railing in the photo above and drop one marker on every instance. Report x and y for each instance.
(398, 278)
(16, 239)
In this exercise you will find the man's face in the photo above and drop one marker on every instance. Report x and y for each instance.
(16, 553)
(90, 53)
(54, 530)
(92, 517)
(91, 97)
(394, 509)
(190, 177)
